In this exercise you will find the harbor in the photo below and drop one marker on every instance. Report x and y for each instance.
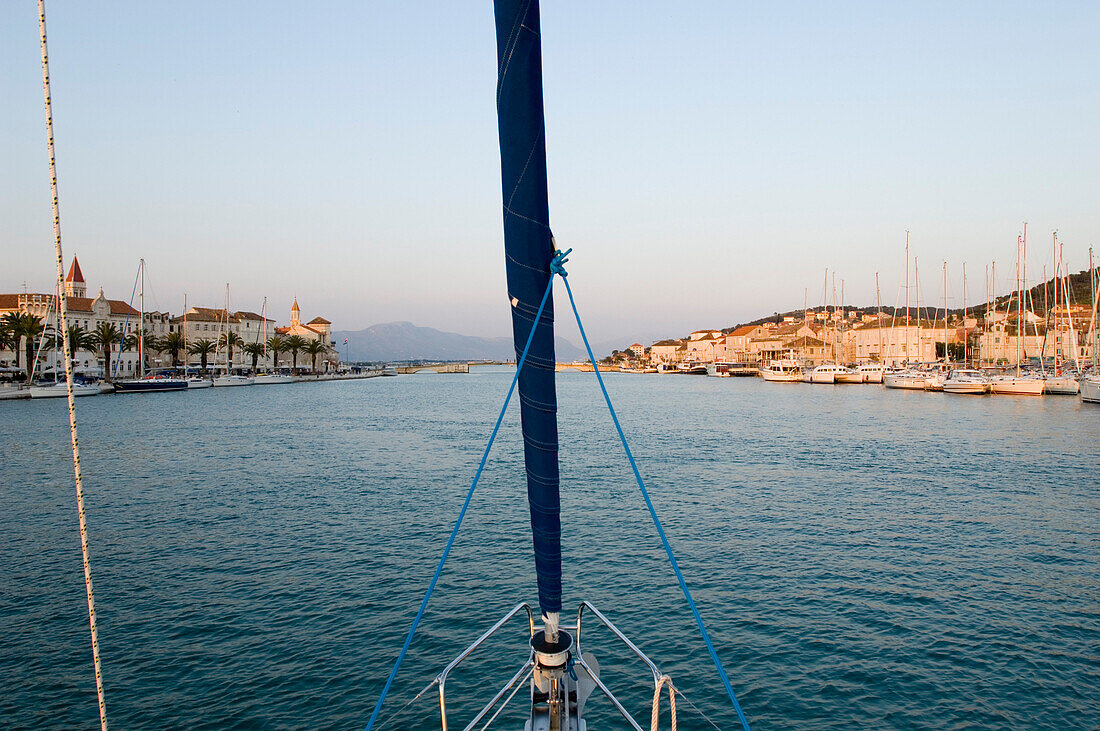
(878, 542)
(482, 513)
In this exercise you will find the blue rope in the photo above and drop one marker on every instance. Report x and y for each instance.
(465, 505)
(652, 512)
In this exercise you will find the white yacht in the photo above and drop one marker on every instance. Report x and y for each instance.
(1090, 389)
(199, 382)
(59, 389)
(270, 379)
(829, 372)
(848, 375)
(871, 372)
(1063, 384)
(1022, 384)
(912, 380)
(964, 380)
(782, 371)
(233, 380)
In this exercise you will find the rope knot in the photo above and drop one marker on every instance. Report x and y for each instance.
(557, 264)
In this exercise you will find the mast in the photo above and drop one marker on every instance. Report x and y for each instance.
(920, 332)
(529, 248)
(141, 323)
(1019, 302)
(945, 358)
(878, 304)
(907, 351)
(185, 358)
(966, 338)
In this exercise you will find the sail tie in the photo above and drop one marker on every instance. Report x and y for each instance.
(649, 504)
(465, 505)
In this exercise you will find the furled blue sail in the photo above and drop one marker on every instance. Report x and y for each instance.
(528, 249)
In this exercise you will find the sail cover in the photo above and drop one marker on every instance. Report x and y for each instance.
(528, 249)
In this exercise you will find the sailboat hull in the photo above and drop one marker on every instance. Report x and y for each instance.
(60, 390)
(910, 381)
(271, 379)
(1012, 386)
(151, 385)
(1090, 390)
(1062, 385)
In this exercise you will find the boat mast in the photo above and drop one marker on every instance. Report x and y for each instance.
(920, 330)
(185, 358)
(141, 323)
(878, 304)
(945, 357)
(966, 338)
(907, 350)
(1019, 303)
(1067, 300)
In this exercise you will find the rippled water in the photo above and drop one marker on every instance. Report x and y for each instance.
(863, 558)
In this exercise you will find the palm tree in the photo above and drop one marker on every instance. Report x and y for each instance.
(276, 345)
(79, 339)
(202, 348)
(315, 348)
(172, 343)
(28, 328)
(149, 342)
(7, 337)
(255, 350)
(228, 340)
(294, 343)
(106, 336)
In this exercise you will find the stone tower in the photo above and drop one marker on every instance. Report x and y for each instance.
(74, 281)
(295, 314)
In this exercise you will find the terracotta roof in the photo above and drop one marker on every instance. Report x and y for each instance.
(75, 275)
(319, 321)
(664, 343)
(743, 330)
(805, 341)
(76, 304)
(295, 307)
(210, 314)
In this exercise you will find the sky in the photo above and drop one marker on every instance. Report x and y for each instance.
(707, 160)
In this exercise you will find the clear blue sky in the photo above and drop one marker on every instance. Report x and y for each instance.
(707, 160)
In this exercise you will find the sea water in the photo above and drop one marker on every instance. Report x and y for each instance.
(863, 558)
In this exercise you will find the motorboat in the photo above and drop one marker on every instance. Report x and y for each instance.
(782, 371)
(233, 379)
(828, 372)
(271, 379)
(911, 380)
(720, 369)
(60, 389)
(692, 369)
(848, 375)
(1021, 384)
(151, 384)
(966, 381)
(199, 382)
(871, 372)
(666, 368)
